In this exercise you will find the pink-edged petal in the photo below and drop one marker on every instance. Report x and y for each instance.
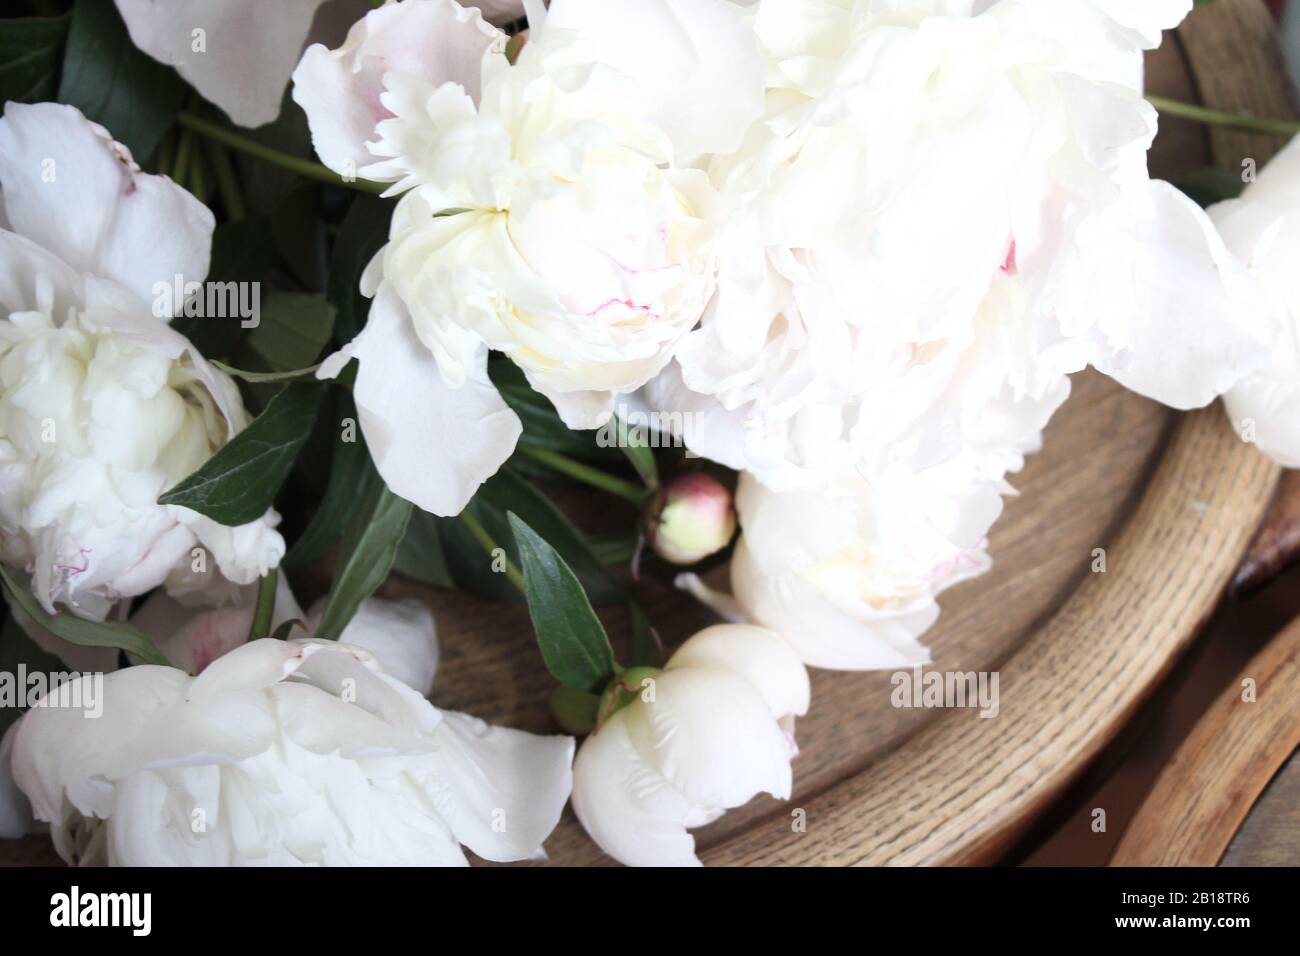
(697, 60)
(437, 41)
(242, 59)
(74, 191)
(628, 807)
(433, 444)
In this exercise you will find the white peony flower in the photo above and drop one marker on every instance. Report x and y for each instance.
(102, 406)
(1262, 229)
(284, 753)
(240, 53)
(548, 212)
(849, 574)
(708, 733)
(945, 212)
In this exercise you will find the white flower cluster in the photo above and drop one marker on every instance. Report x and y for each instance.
(854, 249)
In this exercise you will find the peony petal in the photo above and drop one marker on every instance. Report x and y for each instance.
(758, 655)
(69, 188)
(1202, 324)
(711, 735)
(437, 41)
(627, 807)
(247, 52)
(698, 61)
(434, 445)
(22, 262)
(400, 634)
(501, 791)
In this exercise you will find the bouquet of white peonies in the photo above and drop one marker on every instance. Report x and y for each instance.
(305, 305)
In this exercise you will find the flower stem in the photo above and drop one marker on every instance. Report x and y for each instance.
(1211, 117)
(491, 547)
(576, 470)
(264, 610)
(227, 181)
(242, 144)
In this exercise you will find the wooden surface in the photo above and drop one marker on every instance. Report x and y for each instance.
(1206, 791)
(1076, 651)
(1270, 836)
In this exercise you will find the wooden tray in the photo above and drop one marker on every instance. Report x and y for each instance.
(1174, 500)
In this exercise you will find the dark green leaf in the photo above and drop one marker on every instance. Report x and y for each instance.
(543, 427)
(422, 556)
(17, 649)
(573, 642)
(299, 234)
(362, 234)
(241, 252)
(350, 473)
(29, 58)
(285, 630)
(135, 97)
(293, 331)
(365, 557)
(646, 649)
(507, 492)
(1212, 185)
(638, 451)
(83, 633)
(240, 481)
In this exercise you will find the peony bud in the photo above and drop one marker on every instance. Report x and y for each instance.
(690, 518)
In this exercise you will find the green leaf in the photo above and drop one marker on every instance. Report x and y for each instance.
(29, 58)
(135, 97)
(365, 557)
(83, 633)
(573, 642)
(507, 492)
(646, 649)
(240, 481)
(638, 452)
(299, 233)
(422, 556)
(17, 649)
(543, 427)
(362, 234)
(241, 252)
(293, 330)
(350, 473)
(285, 630)
(1211, 185)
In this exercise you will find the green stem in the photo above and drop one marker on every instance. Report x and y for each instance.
(302, 167)
(1212, 117)
(587, 475)
(227, 181)
(491, 547)
(181, 168)
(264, 612)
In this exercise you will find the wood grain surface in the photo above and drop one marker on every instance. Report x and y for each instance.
(1210, 785)
(1173, 500)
